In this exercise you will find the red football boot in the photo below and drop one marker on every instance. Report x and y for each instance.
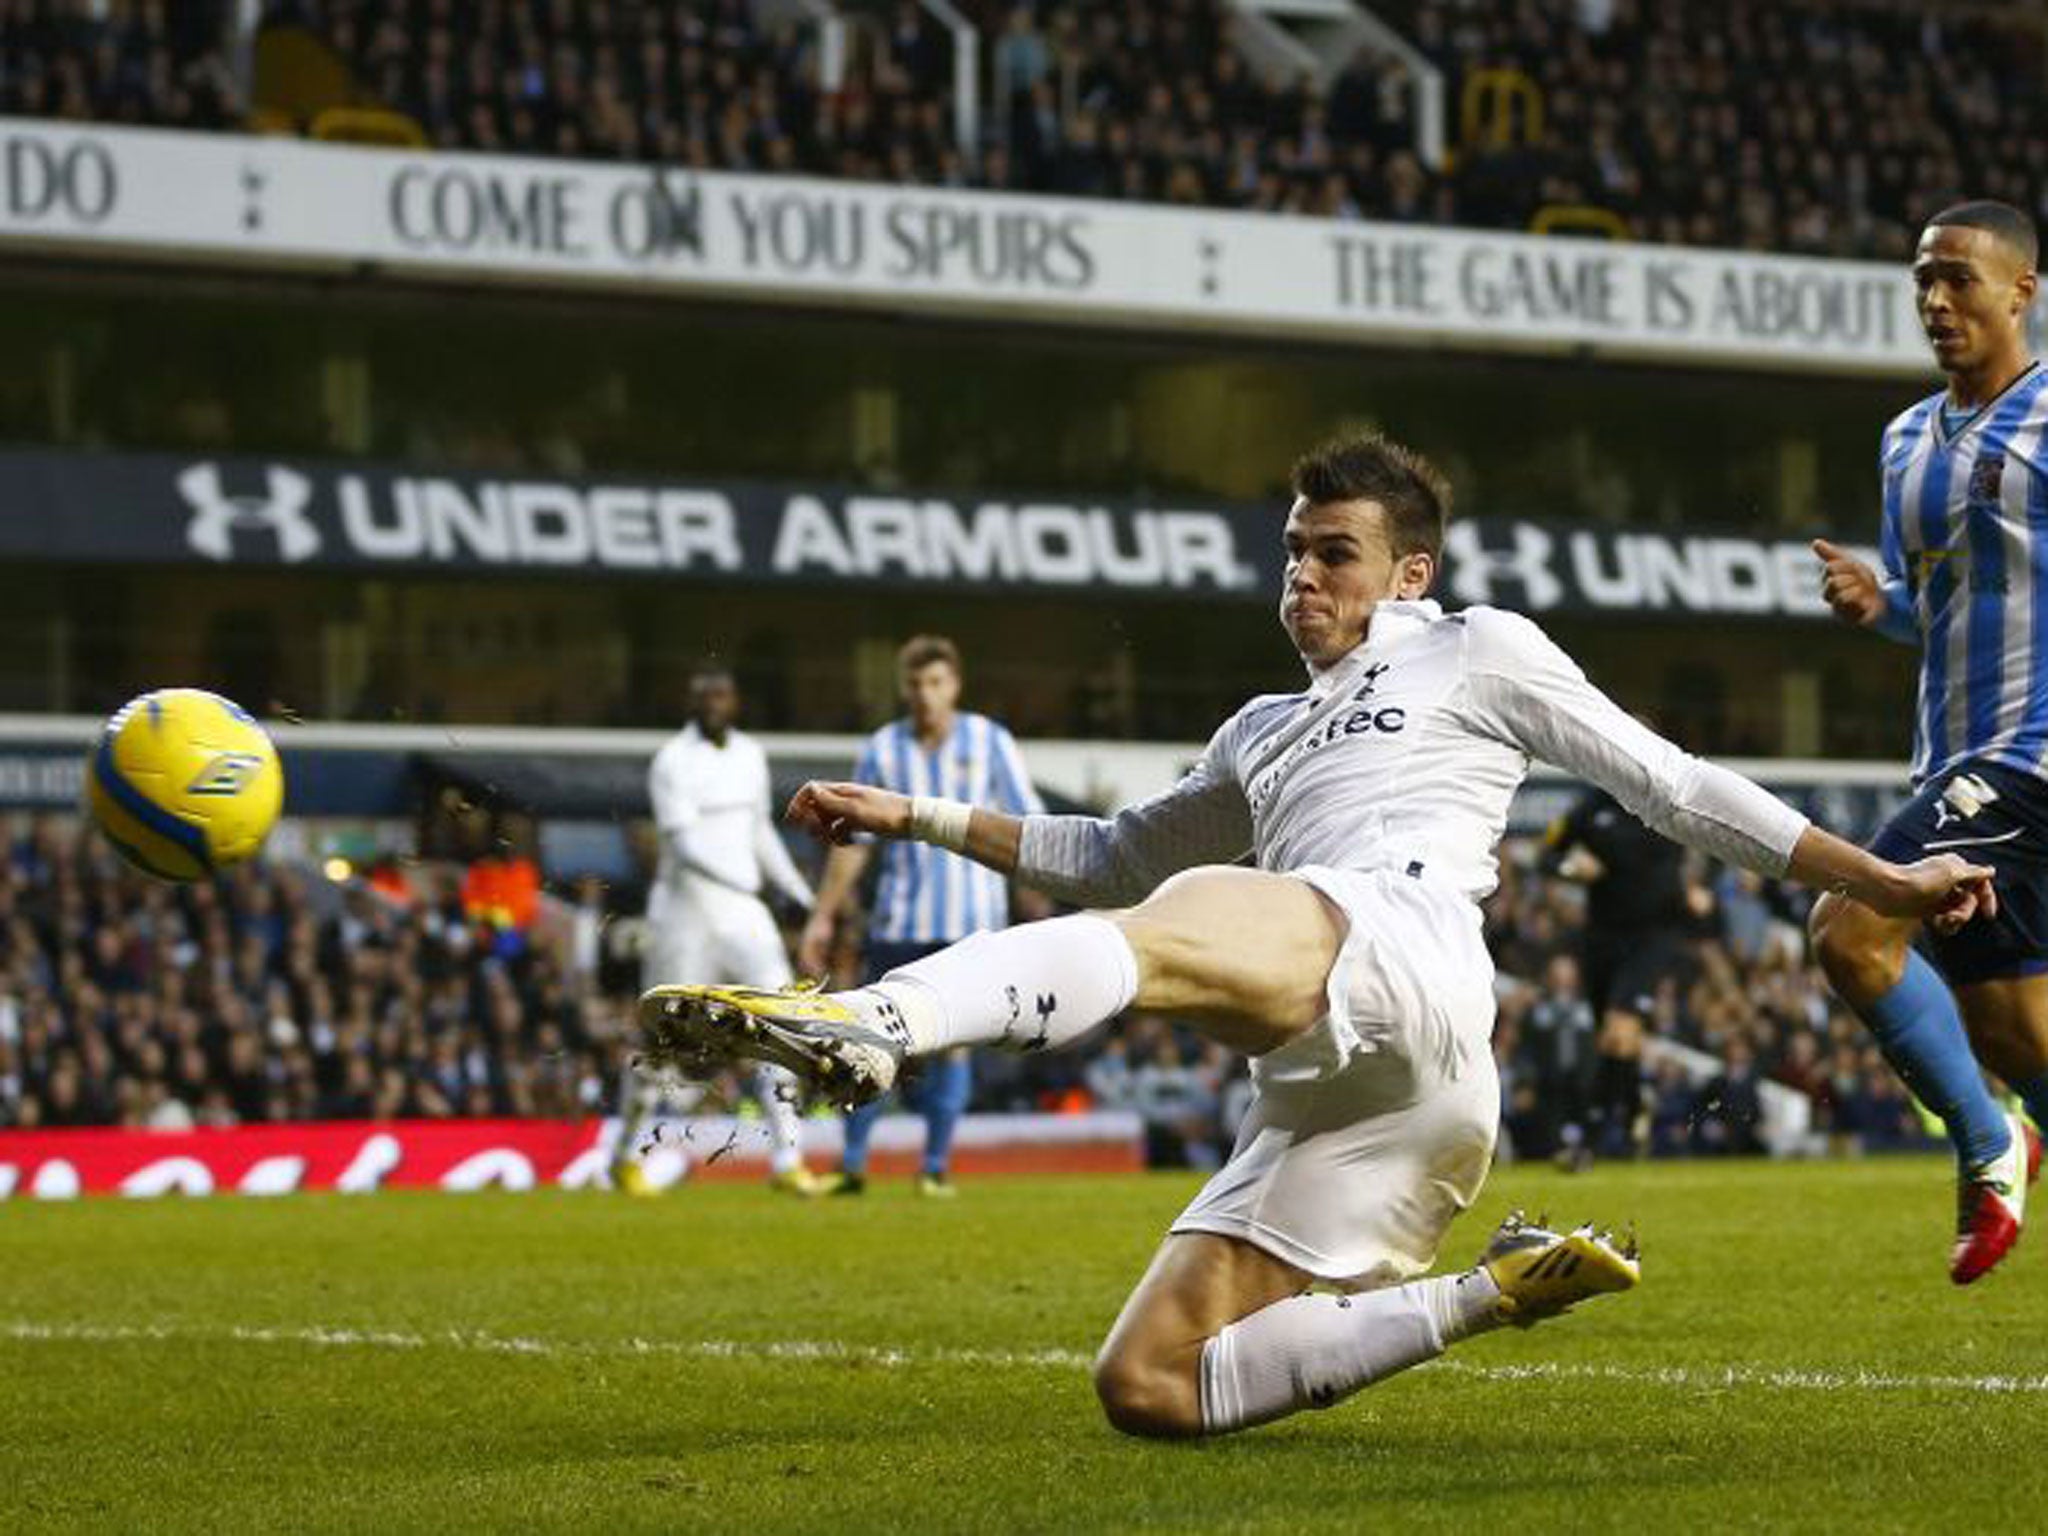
(1991, 1203)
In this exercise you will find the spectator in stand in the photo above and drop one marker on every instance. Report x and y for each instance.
(1756, 124)
(152, 63)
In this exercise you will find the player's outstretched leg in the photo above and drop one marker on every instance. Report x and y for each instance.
(1914, 1018)
(1240, 954)
(1316, 1349)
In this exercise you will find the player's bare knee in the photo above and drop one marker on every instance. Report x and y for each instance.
(1141, 1397)
(1862, 955)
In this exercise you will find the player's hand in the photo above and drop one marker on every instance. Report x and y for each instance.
(1849, 585)
(834, 812)
(1944, 891)
(814, 945)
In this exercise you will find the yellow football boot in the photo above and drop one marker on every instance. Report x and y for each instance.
(1542, 1273)
(798, 1181)
(628, 1178)
(701, 1030)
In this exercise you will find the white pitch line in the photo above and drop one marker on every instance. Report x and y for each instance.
(513, 1344)
(1684, 1378)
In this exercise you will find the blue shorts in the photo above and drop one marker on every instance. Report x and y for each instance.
(1989, 814)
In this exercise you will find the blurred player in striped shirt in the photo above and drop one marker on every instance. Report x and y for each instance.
(1965, 552)
(926, 897)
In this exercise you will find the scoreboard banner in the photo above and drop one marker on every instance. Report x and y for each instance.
(310, 514)
(225, 199)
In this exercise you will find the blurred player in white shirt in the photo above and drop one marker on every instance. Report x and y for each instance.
(720, 851)
(1348, 962)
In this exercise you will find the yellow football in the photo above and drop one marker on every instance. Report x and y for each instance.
(184, 783)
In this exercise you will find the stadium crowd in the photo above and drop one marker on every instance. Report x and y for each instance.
(1828, 128)
(119, 61)
(277, 995)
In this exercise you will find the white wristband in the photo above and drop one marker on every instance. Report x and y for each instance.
(942, 823)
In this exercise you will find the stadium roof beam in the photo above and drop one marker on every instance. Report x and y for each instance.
(1319, 38)
(966, 41)
(966, 77)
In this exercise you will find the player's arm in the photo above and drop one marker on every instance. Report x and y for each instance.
(837, 812)
(1089, 860)
(776, 864)
(1527, 691)
(1861, 594)
(845, 863)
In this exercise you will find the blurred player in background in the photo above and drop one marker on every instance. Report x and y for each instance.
(926, 897)
(705, 914)
(1965, 549)
(1350, 962)
(1639, 906)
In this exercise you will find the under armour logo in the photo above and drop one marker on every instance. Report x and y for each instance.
(1963, 797)
(217, 516)
(1474, 569)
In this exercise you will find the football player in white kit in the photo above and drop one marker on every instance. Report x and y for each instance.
(1348, 962)
(705, 914)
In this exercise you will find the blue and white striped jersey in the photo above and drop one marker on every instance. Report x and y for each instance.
(1965, 551)
(927, 895)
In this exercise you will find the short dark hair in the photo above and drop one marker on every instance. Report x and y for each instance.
(2008, 223)
(920, 651)
(1365, 466)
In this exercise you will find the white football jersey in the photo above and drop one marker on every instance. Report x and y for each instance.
(711, 806)
(1403, 756)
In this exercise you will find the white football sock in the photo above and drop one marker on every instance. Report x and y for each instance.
(777, 1091)
(1035, 986)
(1312, 1351)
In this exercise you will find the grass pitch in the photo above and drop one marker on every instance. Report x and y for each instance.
(723, 1359)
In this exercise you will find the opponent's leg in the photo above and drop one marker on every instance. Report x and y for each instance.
(853, 1161)
(2008, 1023)
(948, 1083)
(1917, 1024)
(1870, 962)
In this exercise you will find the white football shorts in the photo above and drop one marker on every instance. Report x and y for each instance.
(1370, 1133)
(699, 931)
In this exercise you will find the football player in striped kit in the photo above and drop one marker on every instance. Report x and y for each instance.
(1964, 547)
(1348, 961)
(926, 897)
